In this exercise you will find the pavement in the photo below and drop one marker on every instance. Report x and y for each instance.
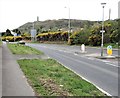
(0, 71)
(14, 83)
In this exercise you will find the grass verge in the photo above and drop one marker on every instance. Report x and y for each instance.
(0, 43)
(22, 49)
(49, 78)
(114, 45)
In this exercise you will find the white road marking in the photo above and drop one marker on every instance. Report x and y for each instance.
(112, 64)
(75, 54)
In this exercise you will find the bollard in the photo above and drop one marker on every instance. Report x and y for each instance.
(83, 48)
(109, 50)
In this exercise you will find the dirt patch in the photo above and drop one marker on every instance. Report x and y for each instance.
(54, 88)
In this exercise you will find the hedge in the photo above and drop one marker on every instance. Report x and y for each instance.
(12, 38)
(53, 36)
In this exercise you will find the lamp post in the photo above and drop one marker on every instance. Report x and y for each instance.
(102, 31)
(69, 24)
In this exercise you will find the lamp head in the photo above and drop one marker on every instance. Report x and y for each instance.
(103, 4)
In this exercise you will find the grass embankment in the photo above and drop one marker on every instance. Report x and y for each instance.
(22, 49)
(49, 78)
(0, 43)
(112, 44)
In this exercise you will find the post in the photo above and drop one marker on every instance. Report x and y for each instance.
(103, 5)
(69, 25)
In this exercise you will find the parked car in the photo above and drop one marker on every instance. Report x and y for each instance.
(21, 42)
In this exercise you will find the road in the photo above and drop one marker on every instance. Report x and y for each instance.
(102, 73)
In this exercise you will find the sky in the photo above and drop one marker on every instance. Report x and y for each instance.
(14, 13)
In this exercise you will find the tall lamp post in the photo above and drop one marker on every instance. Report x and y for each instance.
(102, 31)
(69, 24)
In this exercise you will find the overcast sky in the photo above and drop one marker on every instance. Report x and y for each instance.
(14, 13)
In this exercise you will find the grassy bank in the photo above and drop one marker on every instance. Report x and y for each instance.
(0, 43)
(49, 78)
(114, 45)
(22, 49)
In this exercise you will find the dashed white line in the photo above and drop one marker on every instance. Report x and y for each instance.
(112, 64)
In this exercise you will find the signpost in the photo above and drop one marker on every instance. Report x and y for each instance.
(33, 34)
(109, 50)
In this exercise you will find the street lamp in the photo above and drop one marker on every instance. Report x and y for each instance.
(69, 24)
(102, 31)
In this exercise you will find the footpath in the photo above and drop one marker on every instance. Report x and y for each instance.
(14, 82)
(0, 71)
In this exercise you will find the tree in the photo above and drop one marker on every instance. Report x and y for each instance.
(17, 31)
(8, 33)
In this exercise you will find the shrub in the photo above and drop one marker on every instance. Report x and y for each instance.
(10, 38)
(3, 38)
(18, 38)
(53, 36)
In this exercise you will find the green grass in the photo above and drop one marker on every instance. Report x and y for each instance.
(22, 49)
(0, 43)
(49, 78)
(114, 45)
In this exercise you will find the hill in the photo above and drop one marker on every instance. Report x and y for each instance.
(54, 25)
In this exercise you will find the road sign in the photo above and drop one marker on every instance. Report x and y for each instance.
(109, 50)
(102, 31)
(33, 33)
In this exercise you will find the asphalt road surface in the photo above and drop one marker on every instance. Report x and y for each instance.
(102, 73)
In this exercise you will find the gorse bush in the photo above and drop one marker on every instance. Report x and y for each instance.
(53, 36)
(92, 35)
(12, 38)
